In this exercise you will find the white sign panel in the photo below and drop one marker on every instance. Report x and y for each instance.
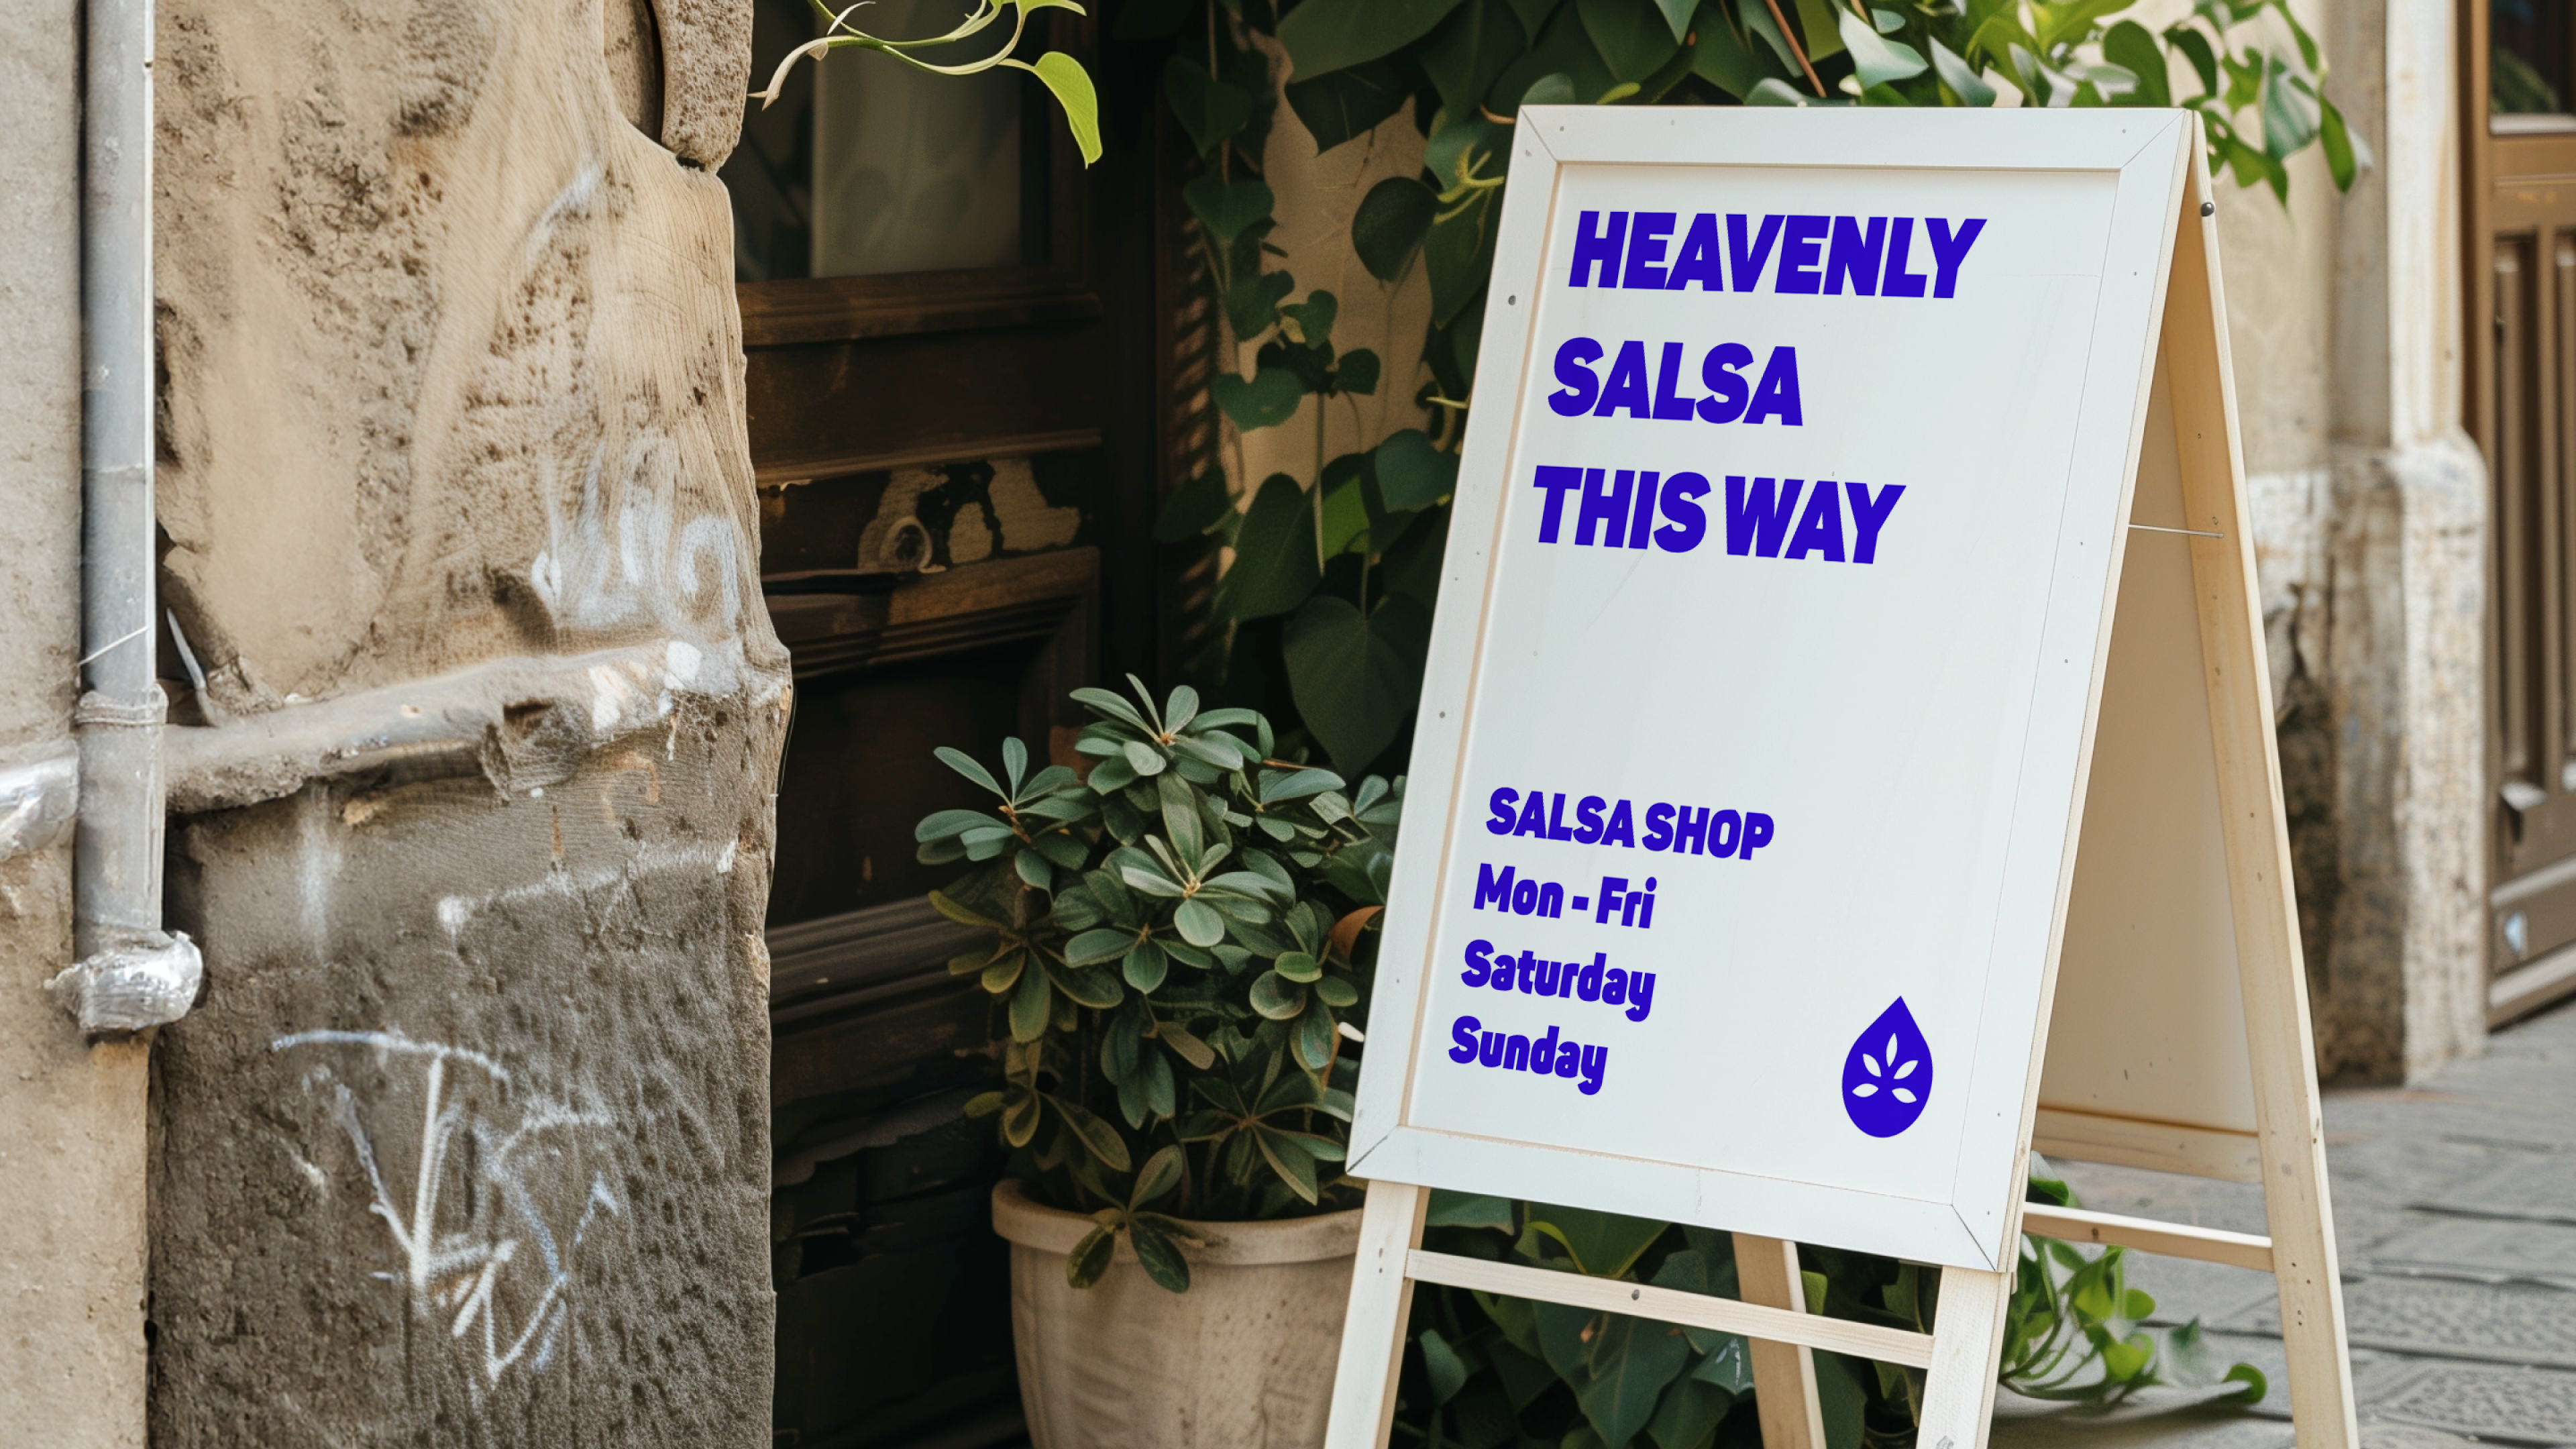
(1753, 738)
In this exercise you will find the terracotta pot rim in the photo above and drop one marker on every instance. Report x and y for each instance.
(1031, 1224)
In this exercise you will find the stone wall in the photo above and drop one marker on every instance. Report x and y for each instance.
(467, 1141)
(71, 1116)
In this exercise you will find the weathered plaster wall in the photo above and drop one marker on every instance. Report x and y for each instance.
(2370, 507)
(1317, 195)
(2402, 978)
(71, 1117)
(467, 1141)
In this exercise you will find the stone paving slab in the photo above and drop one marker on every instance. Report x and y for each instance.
(2515, 1324)
(2455, 1213)
(2498, 1249)
(2491, 1404)
(2541, 1188)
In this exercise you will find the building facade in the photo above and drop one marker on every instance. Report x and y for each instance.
(583, 506)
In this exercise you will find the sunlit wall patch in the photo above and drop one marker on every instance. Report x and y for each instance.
(1887, 1079)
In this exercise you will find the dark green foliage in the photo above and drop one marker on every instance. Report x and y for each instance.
(1177, 940)
(1326, 563)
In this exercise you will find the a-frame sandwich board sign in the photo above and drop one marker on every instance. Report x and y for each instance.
(1848, 611)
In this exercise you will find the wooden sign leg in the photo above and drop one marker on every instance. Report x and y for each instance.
(2270, 964)
(1373, 1330)
(1967, 1344)
(1784, 1374)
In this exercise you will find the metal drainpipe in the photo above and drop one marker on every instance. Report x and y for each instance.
(130, 974)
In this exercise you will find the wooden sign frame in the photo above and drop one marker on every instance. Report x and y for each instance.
(2184, 491)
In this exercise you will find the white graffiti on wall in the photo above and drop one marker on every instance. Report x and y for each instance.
(622, 559)
(459, 1272)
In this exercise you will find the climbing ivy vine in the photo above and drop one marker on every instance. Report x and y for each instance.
(1323, 615)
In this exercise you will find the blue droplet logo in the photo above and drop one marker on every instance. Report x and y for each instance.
(1887, 1079)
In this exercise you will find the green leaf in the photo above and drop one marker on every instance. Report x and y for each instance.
(1276, 997)
(2123, 1360)
(1468, 1210)
(1089, 986)
(1346, 104)
(1159, 1256)
(1879, 60)
(1198, 923)
(1020, 1117)
(1145, 759)
(2290, 117)
(1632, 1360)
(1562, 48)
(1310, 323)
(1268, 399)
(1096, 1136)
(1299, 967)
(1633, 37)
(943, 823)
(1555, 88)
(1356, 372)
(1459, 254)
(1729, 1366)
(2195, 48)
(1251, 305)
(1689, 1413)
(2252, 1378)
(1093, 947)
(2133, 48)
(1721, 58)
(1817, 21)
(1411, 473)
(1033, 868)
(1161, 1173)
(1274, 553)
(1604, 1245)
(1226, 208)
(1109, 706)
(1962, 79)
(1181, 822)
(1390, 224)
(1355, 677)
(1209, 109)
(1003, 974)
(1468, 50)
(2342, 164)
(1145, 967)
(1288, 1159)
(1314, 1037)
(966, 765)
(1090, 1257)
(1447, 1370)
(1071, 84)
(1337, 993)
(1194, 1051)
(1327, 35)
(1030, 1006)
(1839, 1394)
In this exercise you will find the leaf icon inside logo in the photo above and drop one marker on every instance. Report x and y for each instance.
(1888, 1051)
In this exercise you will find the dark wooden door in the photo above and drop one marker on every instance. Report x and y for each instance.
(954, 382)
(2520, 68)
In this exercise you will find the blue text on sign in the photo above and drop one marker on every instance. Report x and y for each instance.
(1818, 255)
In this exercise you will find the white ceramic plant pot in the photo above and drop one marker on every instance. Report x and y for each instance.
(1244, 1360)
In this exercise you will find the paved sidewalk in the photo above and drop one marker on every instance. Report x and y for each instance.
(2455, 1216)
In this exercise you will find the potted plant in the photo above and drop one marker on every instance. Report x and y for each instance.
(1180, 935)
